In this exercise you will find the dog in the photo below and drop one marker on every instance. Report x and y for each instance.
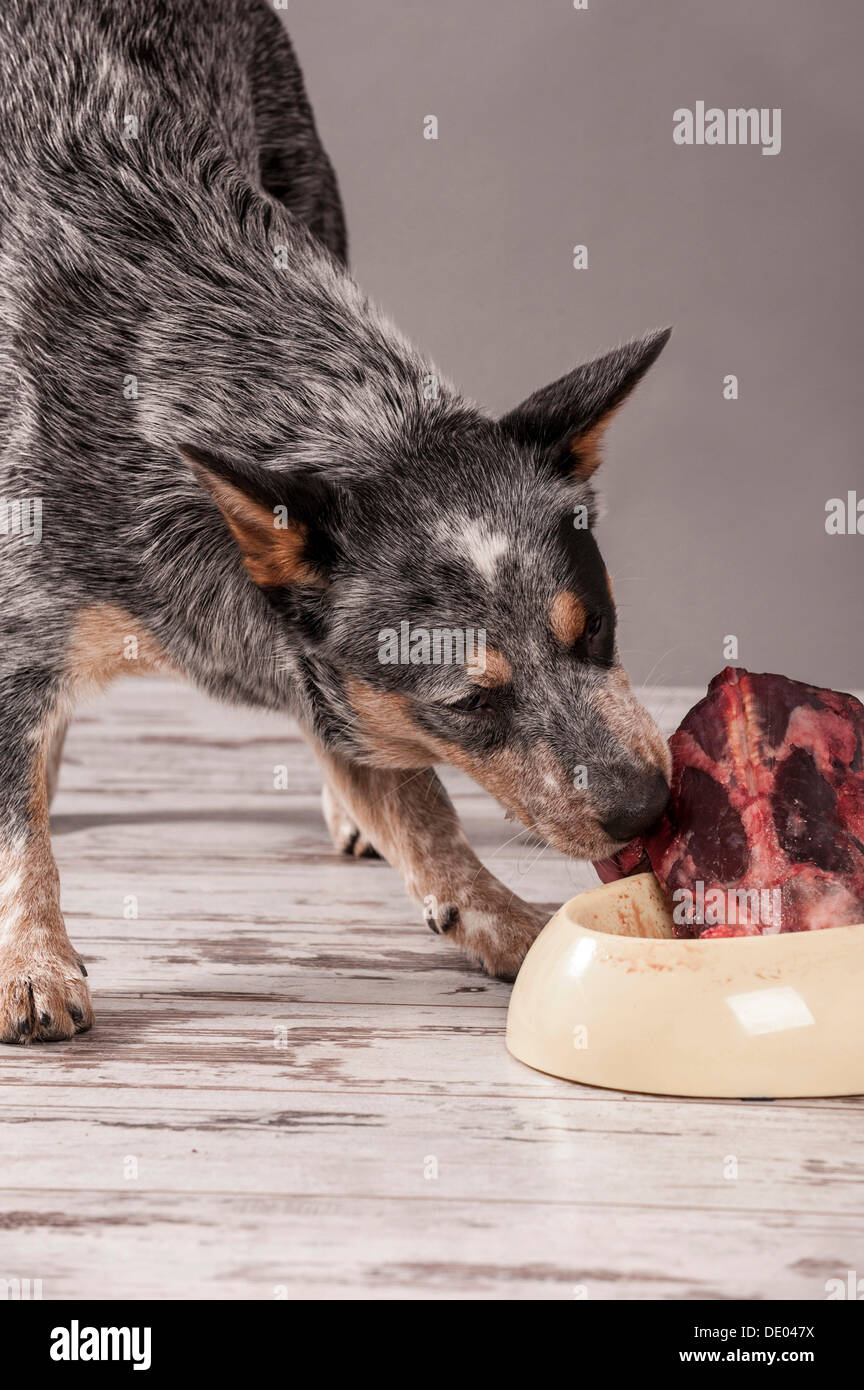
(244, 475)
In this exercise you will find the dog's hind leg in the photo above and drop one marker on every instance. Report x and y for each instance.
(43, 993)
(54, 757)
(410, 819)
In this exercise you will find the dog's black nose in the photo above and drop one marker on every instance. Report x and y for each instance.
(641, 809)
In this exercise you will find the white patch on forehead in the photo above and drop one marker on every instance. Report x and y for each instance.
(476, 540)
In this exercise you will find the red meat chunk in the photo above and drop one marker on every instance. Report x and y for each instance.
(764, 831)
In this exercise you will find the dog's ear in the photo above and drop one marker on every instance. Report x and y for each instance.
(278, 520)
(569, 418)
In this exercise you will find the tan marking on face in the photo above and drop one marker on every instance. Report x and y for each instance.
(502, 774)
(106, 641)
(567, 618)
(534, 784)
(524, 783)
(388, 728)
(609, 587)
(274, 556)
(498, 670)
(392, 735)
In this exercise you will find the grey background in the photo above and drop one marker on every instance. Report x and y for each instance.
(556, 129)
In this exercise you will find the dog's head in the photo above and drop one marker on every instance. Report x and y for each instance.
(452, 605)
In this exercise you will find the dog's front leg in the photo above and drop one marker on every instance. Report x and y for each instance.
(409, 818)
(43, 994)
(345, 833)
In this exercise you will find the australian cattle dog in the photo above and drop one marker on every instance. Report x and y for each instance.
(217, 452)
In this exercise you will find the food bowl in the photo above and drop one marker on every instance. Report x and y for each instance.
(607, 996)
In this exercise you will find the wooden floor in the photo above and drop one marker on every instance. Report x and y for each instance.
(294, 1089)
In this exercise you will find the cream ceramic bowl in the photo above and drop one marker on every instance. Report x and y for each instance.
(608, 997)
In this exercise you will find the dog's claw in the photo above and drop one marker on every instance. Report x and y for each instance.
(42, 1001)
(346, 835)
(356, 847)
(449, 918)
(498, 933)
(440, 918)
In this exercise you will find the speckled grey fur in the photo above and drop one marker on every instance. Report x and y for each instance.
(174, 274)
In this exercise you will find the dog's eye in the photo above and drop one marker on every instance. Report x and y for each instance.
(596, 642)
(477, 700)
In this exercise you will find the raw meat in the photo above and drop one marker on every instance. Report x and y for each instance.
(764, 831)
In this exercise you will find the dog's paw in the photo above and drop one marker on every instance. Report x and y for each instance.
(43, 998)
(497, 934)
(345, 833)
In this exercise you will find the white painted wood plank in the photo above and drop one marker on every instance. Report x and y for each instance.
(181, 1246)
(281, 1045)
(596, 1152)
